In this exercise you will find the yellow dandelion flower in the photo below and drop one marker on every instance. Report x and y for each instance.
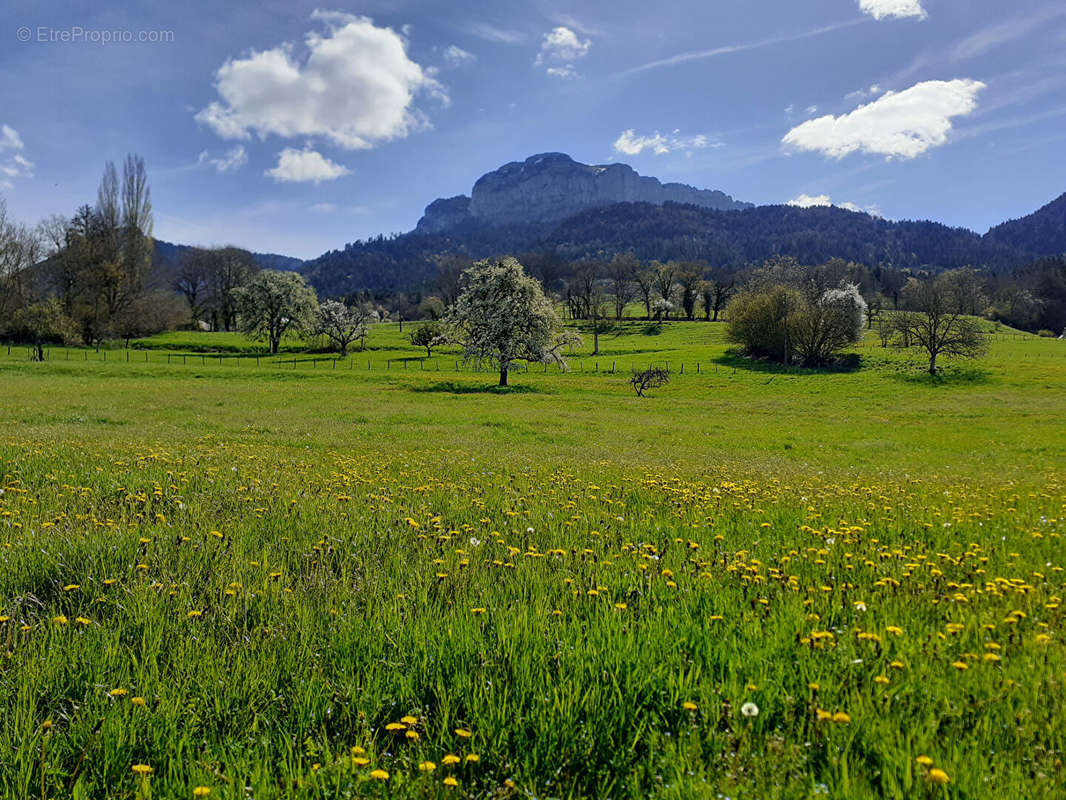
(142, 769)
(463, 733)
(83, 620)
(393, 727)
(118, 692)
(138, 701)
(70, 587)
(361, 761)
(960, 665)
(938, 776)
(409, 720)
(472, 758)
(841, 718)
(688, 705)
(201, 791)
(379, 774)
(451, 758)
(427, 766)
(357, 750)
(450, 781)
(412, 735)
(925, 761)
(59, 619)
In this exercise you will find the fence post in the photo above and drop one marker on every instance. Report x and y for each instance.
(697, 367)
(682, 367)
(612, 368)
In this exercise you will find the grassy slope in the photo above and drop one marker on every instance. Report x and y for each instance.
(342, 497)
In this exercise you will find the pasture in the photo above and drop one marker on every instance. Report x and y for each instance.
(386, 577)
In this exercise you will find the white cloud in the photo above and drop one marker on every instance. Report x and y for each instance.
(356, 87)
(12, 163)
(560, 49)
(455, 56)
(301, 166)
(566, 73)
(897, 125)
(811, 201)
(879, 9)
(630, 144)
(562, 44)
(9, 139)
(230, 161)
(492, 33)
(324, 208)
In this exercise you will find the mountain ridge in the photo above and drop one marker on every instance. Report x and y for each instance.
(550, 187)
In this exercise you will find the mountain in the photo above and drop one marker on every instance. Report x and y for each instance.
(1042, 233)
(550, 187)
(552, 205)
(167, 256)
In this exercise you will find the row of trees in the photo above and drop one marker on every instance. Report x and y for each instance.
(791, 314)
(86, 278)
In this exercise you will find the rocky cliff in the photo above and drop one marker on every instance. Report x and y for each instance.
(552, 187)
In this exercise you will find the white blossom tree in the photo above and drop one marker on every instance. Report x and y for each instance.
(341, 324)
(275, 303)
(502, 315)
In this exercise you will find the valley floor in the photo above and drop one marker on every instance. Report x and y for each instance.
(297, 580)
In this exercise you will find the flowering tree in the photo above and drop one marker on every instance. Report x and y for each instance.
(819, 330)
(275, 303)
(342, 325)
(502, 315)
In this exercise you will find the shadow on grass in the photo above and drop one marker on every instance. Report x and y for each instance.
(452, 387)
(946, 376)
(850, 362)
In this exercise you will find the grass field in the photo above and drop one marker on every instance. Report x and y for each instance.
(227, 580)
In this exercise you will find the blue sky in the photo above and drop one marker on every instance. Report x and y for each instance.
(296, 127)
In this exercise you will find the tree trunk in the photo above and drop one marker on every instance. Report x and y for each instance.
(274, 345)
(932, 364)
(503, 374)
(595, 339)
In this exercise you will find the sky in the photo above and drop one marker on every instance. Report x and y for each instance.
(292, 127)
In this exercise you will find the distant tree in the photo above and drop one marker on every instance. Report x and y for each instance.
(341, 325)
(758, 321)
(275, 303)
(662, 308)
(717, 291)
(820, 329)
(937, 323)
(193, 280)
(427, 335)
(665, 277)
(502, 315)
(645, 283)
(690, 279)
(650, 378)
(431, 307)
(43, 323)
(621, 273)
(967, 290)
(229, 269)
(20, 249)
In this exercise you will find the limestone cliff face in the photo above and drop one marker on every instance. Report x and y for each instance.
(444, 213)
(552, 186)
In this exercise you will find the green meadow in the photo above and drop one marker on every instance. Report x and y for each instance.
(382, 576)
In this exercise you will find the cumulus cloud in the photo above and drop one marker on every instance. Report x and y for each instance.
(630, 144)
(880, 9)
(12, 163)
(455, 56)
(230, 161)
(560, 49)
(811, 201)
(355, 86)
(897, 125)
(305, 166)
